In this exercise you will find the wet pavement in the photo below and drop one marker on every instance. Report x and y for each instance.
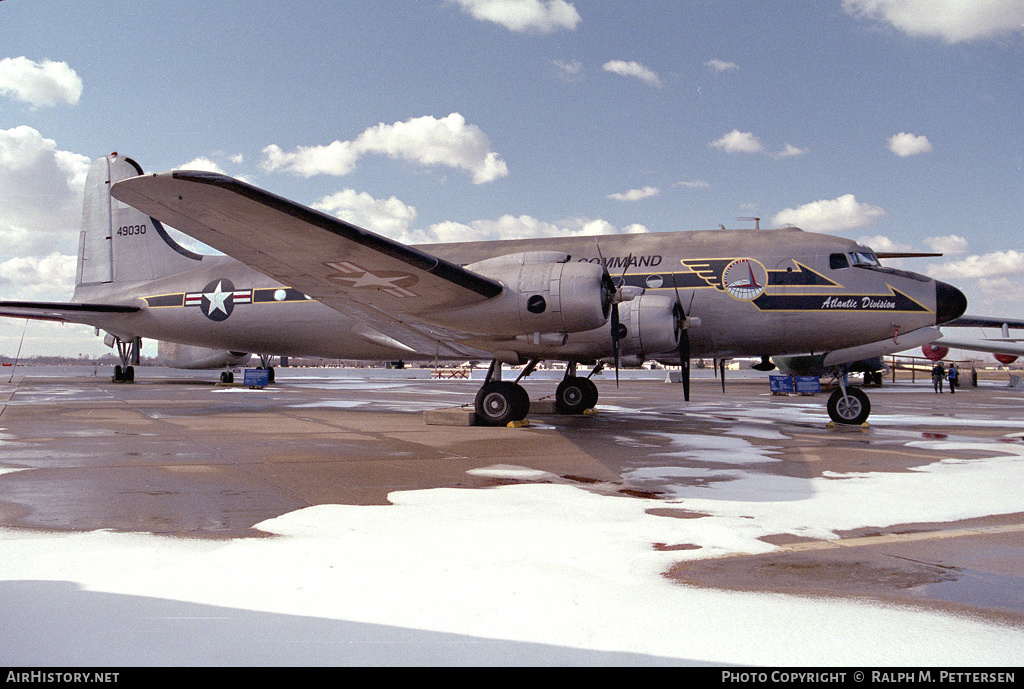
(181, 456)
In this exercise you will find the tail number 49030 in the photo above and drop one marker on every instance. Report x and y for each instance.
(131, 230)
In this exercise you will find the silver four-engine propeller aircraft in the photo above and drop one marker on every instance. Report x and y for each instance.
(295, 281)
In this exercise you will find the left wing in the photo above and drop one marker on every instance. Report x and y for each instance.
(392, 287)
(64, 312)
(321, 255)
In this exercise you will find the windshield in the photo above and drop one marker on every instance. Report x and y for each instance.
(864, 258)
(867, 259)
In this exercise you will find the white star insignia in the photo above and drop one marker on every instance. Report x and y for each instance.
(217, 299)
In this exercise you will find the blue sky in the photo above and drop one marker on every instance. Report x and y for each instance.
(896, 121)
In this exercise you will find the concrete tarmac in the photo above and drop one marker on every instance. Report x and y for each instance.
(179, 455)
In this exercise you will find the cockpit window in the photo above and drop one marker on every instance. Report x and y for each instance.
(864, 258)
(837, 261)
(867, 259)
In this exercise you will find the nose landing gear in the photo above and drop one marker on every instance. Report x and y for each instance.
(849, 406)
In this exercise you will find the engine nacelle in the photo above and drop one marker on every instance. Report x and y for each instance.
(543, 294)
(177, 355)
(653, 324)
(935, 352)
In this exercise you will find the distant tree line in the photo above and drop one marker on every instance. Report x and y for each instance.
(105, 360)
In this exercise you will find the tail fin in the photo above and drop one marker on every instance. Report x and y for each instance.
(119, 243)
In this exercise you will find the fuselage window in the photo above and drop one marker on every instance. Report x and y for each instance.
(837, 261)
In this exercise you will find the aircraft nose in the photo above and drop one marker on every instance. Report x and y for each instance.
(950, 302)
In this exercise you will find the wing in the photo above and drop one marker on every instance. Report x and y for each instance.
(992, 346)
(983, 322)
(392, 287)
(65, 312)
(1011, 347)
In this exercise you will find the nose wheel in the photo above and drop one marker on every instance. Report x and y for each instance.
(849, 406)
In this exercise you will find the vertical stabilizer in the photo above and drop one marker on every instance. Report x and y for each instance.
(119, 243)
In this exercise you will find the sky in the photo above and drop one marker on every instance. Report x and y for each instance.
(896, 122)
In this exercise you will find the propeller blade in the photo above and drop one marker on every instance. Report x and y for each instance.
(615, 340)
(721, 365)
(684, 363)
(684, 342)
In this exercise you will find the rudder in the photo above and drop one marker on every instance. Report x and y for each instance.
(119, 243)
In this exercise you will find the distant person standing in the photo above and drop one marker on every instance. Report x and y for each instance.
(954, 378)
(938, 373)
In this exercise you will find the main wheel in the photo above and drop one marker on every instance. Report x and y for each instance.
(499, 403)
(853, 409)
(591, 393)
(574, 395)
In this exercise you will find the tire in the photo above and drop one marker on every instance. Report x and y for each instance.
(575, 395)
(129, 374)
(499, 403)
(853, 410)
(592, 393)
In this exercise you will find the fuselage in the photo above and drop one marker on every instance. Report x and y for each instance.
(755, 293)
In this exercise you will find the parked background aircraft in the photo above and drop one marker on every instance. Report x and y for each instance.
(1004, 348)
(294, 281)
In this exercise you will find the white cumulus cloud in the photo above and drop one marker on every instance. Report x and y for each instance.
(738, 142)
(832, 215)
(40, 194)
(425, 140)
(950, 244)
(390, 217)
(544, 16)
(512, 227)
(904, 144)
(996, 264)
(789, 151)
(633, 69)
(31, 278)
(204, 164)
(635, 194)
(721, 65)
(953, 21)
(41, 84)
(882, 243)
(693, 184)
(571, 71)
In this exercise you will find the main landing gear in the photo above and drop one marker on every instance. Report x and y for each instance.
(128, 352)
(575, 394)
(499, 402)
